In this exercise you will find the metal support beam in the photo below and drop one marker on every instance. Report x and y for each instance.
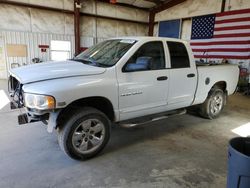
(223, 5)
(151, 23)
(77, 7)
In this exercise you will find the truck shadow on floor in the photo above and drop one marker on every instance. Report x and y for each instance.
(156, 131)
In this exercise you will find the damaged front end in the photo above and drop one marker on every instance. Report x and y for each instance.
(48, 117)
(17, 100)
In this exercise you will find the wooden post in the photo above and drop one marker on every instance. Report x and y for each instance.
(223, 4)
(151, 23)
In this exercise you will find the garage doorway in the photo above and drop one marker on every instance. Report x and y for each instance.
(60, 50)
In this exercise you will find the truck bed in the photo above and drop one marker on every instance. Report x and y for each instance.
(208, 75)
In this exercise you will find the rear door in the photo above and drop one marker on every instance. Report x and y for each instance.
(183, 76)
(144, 92)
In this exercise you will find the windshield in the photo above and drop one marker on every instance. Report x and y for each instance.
(106, 53)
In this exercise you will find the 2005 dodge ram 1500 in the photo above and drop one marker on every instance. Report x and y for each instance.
(119, 80)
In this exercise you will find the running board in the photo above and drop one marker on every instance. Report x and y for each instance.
(151, 118)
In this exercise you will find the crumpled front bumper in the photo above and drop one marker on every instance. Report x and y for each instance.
(48, 117)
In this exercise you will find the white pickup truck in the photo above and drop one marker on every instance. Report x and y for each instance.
(122, 80)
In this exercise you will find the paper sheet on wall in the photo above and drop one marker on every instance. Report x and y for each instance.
(16, 50)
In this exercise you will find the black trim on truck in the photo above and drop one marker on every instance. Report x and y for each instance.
(16, 93)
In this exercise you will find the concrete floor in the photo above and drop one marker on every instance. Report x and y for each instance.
(182, 151)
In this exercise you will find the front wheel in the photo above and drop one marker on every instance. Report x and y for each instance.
(85, 133)
(214, 104)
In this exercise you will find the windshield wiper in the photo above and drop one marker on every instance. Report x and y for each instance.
(89, 62)
(82, 61)
(85, 61)
(103, 65)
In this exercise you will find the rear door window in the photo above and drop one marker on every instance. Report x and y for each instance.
(178, 55)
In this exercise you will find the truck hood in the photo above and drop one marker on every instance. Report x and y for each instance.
(53, 70)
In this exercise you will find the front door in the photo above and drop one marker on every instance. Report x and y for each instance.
(143, 87)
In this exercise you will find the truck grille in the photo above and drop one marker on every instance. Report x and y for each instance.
(16, 93)
(13, 83)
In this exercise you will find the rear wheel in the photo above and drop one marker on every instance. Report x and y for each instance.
(214, 104)
(85, 133)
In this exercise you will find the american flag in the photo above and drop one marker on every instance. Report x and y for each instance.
(222, 36)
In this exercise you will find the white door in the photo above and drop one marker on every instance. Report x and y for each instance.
(143, 82)
(183, 76)
(3, 70)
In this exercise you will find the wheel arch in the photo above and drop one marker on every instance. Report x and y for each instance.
(100, 103)
(221, 84)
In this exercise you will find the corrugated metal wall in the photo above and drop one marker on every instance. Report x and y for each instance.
(32, 40)
(30, 26)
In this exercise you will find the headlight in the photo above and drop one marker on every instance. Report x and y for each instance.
(40, 102)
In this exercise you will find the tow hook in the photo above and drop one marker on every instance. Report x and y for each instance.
(23, 119)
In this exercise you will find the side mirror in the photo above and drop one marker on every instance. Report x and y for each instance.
(142, 63)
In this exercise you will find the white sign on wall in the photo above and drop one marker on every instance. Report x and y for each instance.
(3, 70)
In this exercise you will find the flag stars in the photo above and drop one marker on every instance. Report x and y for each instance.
(203, 27)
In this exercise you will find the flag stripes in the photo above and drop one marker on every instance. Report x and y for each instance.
(230, 38)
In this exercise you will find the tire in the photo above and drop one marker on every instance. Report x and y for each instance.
(84, 134)
(214, 104)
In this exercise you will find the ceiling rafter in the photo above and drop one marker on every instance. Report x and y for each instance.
(166, 5)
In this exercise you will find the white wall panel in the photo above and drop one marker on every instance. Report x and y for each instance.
(33, 20)
(68, 4)
(142, 15)
(117, 11)
(87, 41)
(48, 3)
(69, 24)
(156, 28)
(32, 40)
(106, 28)
(237, 4)
(190, 8)
(126, 29)
(47, 21)
(88, 6)
(142, 30)
(106, 9)
(14, 18)
(186, 29)
(87, 27)
(63, 4)
(127, 13)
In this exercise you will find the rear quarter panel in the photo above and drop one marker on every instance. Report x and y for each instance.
(215, 73)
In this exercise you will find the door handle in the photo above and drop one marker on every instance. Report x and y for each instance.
(191, 75)
(161, 78)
